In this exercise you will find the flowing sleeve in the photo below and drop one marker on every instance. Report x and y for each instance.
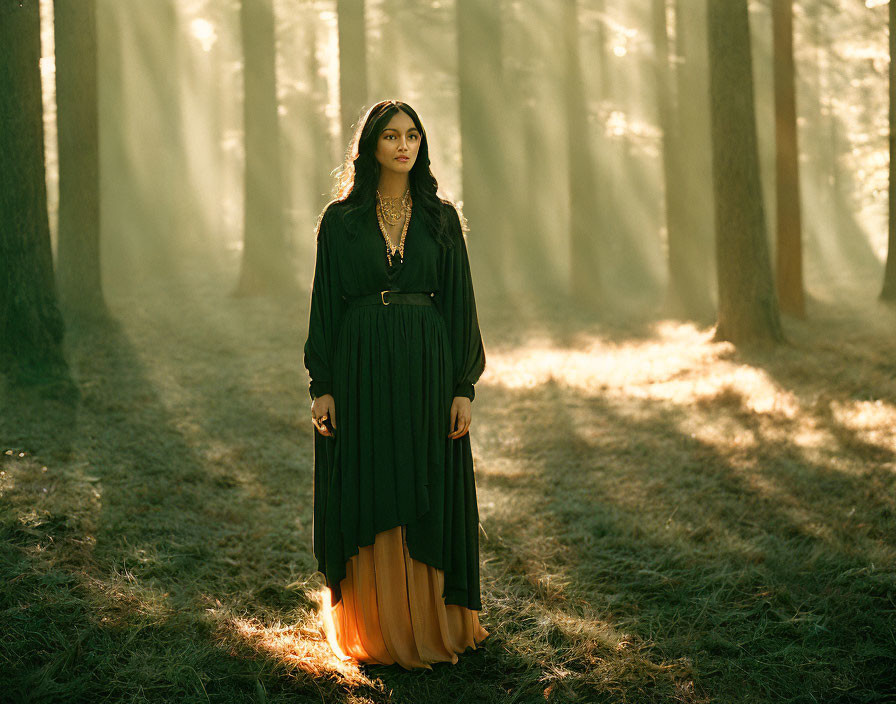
(327, 308)
(457, 305)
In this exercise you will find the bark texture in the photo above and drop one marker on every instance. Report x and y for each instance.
(888, 292)
(748, 306)
(31, 327)
(789, 270)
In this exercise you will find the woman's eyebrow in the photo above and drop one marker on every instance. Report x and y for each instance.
(392, 129)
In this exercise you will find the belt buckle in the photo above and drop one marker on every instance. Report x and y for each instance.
(383, 296)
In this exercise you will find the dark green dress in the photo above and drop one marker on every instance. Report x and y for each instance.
(393, 371)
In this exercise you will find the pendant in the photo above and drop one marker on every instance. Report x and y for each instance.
(390, 251)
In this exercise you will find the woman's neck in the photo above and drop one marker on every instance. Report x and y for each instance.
(392, 185)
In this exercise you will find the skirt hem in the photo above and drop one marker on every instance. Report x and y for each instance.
(392, 609)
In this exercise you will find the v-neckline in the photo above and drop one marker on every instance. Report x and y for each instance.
(413, 226)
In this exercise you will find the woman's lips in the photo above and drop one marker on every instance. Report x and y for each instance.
(403, 158)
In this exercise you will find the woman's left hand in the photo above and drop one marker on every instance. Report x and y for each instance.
(461, 416)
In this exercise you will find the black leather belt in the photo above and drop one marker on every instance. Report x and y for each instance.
(385, 298)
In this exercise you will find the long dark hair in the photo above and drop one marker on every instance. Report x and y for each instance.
(357, 181)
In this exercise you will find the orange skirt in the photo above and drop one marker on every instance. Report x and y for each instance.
(392, 609)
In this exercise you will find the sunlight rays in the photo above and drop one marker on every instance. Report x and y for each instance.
(730, 404)
(596, 363)
(308, 645)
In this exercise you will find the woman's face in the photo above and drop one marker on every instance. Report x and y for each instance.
(398, 144)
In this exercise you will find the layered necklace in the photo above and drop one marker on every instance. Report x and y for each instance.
(389, 210)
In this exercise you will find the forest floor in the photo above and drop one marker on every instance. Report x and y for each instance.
(666, 519)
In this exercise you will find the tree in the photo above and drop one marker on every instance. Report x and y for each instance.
(672, 171)
(584, 235)
(530, 201)
(684, 119)
(314, 116)
(748, 306)
(352, 63)
(168, 76)
(265, 266)
(888, 292)
(789, 268)
(78, 250)
(483, 175)
(31, 327)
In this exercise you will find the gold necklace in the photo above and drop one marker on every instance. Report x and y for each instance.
(393, 207)
(390, 249)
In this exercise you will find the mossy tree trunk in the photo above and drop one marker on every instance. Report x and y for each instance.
(31, 327)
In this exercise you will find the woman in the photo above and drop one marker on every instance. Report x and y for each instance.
(393, 352)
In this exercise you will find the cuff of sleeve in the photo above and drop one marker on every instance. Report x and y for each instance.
(320, 387)
(463, 389)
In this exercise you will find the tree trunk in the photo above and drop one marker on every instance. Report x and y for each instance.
(265, 265)
(78, 252)
(584, 230)
(686, 132)
(533, 201)
(888, 292)
(352, 64)
(669, 146)
(790, 249)
(315, 108)
(680, 298)
(748, 306)
(31, 327)
(186, 228)
(481, 106)
(391, 65)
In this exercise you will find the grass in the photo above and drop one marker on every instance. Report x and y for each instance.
(666, 519)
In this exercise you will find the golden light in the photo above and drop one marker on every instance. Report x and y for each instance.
(680, 367)
(204, 31)
(620, 50)
(326, 614)
(309, 645)
(616, 123)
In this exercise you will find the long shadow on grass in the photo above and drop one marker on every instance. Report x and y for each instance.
(245, 408)
(738, 575)
(113, 584)
(190, 556)
(252, 357)
(852, 364)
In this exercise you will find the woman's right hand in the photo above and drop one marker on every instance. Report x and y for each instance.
(322, 408)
